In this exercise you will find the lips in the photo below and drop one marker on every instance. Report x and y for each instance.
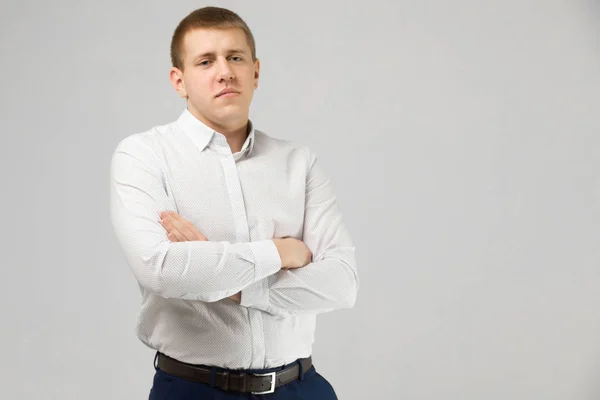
(226, 91)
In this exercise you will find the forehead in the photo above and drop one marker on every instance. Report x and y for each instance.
(214, 40)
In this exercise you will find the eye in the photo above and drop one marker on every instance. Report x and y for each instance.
(204, 63)
(237, 58)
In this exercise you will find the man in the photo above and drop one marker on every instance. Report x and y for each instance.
(234, 237)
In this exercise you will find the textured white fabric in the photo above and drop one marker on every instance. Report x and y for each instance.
(272, 188)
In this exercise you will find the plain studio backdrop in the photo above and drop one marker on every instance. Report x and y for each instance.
(462, 140)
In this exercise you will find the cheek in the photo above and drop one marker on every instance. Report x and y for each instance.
(250, 82)
(199, 86)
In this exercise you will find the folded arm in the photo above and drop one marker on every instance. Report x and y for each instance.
(330, 281)
(196, 270)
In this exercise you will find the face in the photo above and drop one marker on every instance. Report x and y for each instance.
(218, 78)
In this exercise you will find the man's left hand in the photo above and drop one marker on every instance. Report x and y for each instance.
(180, 229)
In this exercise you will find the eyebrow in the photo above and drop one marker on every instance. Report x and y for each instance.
(212, 53)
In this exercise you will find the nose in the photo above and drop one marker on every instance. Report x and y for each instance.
(224, 70)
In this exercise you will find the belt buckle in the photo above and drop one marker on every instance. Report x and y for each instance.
(273, 379)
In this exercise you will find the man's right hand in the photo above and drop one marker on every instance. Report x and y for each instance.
(293, 253)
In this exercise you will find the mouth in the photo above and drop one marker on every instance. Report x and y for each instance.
(227, 93)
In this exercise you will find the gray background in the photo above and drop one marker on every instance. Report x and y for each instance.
(462, 140)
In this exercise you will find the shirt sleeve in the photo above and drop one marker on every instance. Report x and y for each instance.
(193, 270)
(330, 281)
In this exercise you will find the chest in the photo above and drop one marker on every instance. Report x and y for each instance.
(264, 197)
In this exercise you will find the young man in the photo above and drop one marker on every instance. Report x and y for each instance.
(234, 236)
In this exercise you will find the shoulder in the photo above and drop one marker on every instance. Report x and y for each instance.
(145, 144)
(268, 144)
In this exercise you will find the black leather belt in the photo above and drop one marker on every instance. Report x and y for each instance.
(234, 380)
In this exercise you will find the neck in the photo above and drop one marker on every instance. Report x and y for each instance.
(236, 138)
(236, 134)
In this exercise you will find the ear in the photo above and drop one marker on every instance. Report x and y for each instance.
(176, 78)
(256, 72)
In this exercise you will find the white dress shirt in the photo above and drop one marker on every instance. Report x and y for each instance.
(272, 188)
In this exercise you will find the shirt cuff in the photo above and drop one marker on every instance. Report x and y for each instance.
(266, 259)
(256, 295)
(267, 262)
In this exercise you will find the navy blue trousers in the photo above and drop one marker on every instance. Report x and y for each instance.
(312, 386)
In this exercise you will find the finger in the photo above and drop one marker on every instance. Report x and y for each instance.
(180, 221)
(183, 229)
(171, 223)
(176, 236)
(167, 224)
(172, 237)
(186, 227)
(173, 232)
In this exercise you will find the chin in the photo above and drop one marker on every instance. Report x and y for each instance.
(228, 120)
(234, 115)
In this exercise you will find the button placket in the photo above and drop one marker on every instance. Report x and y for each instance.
(240, 217)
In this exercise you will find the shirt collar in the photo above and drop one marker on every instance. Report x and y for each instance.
(202, 135)
(249, 142)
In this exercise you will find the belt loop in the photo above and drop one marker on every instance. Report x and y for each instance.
(226, 385)
(243, 387)
(301, 370)
(155, 363)
(213, 372)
